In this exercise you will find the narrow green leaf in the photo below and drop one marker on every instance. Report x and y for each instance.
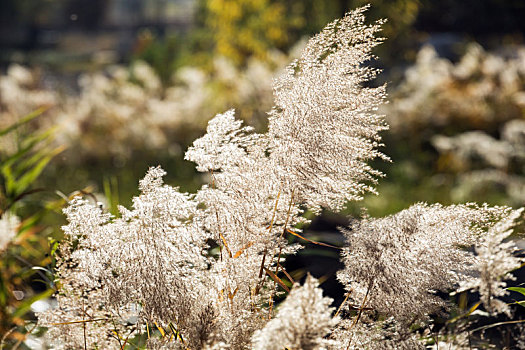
(10, 181)
(520, 303)
(24, 120)
(26, 164)
(30, 176)
(10, 160)
(110, 185)
(29, 223)
(517, 289)
(26, 304)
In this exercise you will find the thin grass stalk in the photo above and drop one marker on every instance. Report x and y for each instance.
(356, 320)
(343, 303)
(269, 231)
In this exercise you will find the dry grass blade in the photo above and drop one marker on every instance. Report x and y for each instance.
(4, 337)
(269, 231)
(85, 192)
(176, 333)
(282, 233)
(240, 251)
(262, 266)
(126, 339)
(84, 324)
(83, 321)
(343, 303)
(274, 277)
(313, 242)
(288, 213)
(21, 337)
(225, 244)
(116, 333)
(496, 325)
(161, 330)
(232, 295)
(356, 320)
(20, 197)
(287, 274)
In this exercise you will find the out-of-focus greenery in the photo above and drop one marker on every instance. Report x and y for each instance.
(457, 131)
(243, 28)
(251, 28)
(233, 29)
(23, 280)
(239, 30)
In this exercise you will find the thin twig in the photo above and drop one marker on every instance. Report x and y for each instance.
(5, 337)
(311, 241)
(269, 231)
(279, 257)
(356, 320)
(343, 303)
(126, 340)
(83, 321)
(84, 324)
(116, 332)
(496, 325)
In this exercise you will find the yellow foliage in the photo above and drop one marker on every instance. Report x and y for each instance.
(245, 28)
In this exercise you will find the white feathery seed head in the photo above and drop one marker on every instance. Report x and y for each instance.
(302, 321)
(400, 261)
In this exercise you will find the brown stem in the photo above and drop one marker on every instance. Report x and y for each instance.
(84, 324)
(282, 233)
(269, 231)
(343, 303)
(356, 320)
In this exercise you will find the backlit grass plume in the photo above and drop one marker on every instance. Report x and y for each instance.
(202, 271)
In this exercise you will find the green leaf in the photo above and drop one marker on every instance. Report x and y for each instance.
(26, 304)
(111, 193)
(9, 181)
(29, 223)
(517, 289)
(24, 120)
(10, 160)
(521, 303)
(30, 176)
(26, 164)
(4, 292)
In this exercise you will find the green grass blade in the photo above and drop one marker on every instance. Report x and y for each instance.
(23, 121)
(26, 304)
(517, 289)
(30, 176)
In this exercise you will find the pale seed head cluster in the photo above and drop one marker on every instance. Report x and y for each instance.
(206, 268)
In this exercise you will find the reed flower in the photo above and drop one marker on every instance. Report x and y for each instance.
(204, 269)
(398, 263)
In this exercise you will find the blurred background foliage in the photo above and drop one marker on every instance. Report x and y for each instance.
(93, 93)
(23, 238)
